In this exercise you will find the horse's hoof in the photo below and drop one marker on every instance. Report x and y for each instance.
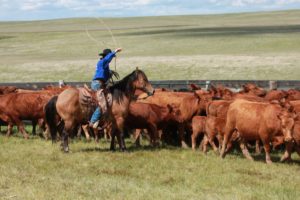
(112, 149)
(66, 149)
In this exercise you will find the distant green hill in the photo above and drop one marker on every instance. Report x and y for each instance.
(263, 45)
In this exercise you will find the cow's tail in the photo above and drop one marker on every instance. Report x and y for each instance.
(50, 116)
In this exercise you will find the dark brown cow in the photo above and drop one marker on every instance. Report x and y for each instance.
(15, 107)
(257, 120)
(189, 105)
(151, 117)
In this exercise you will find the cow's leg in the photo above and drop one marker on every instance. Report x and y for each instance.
(257, 147)
(9, 129)
(194, 137)
(181, 136)
(205, 143)
(287, 153)
(152, 131)
(46, 133)
(137, 135)
(79, 131)
(210, 138)
(245, 151)
(34, 123)
(21, 128)
(85, 129)
(220, 140)
(267, 148)
(297, 149)
(228, 133)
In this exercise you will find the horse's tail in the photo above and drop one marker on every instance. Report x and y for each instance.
(50, 116)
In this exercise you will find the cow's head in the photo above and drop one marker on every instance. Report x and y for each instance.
(287, 119)
(174, 113)
(253, 89)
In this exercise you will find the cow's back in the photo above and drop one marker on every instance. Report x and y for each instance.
(218, 108)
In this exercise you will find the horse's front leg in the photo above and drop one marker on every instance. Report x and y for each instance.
(120, 133)
(112, 142)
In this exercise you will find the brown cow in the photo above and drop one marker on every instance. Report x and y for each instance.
(293, 94)
(189, 105)
(252, 89)
(15, 107)
(276, 95)
(257, 120)
(7, 89)
(296, 105)
(151, 117)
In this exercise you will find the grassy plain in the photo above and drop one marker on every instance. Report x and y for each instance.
(37, 169)
(230, 46)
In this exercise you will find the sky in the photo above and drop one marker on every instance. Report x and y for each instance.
(50, 9)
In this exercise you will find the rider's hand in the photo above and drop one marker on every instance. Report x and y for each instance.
(118, 50)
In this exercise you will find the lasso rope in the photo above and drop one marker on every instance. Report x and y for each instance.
(98, 43)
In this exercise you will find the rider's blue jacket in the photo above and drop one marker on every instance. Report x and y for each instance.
(102, 68)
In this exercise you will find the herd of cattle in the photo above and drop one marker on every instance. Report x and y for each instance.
(218, 116)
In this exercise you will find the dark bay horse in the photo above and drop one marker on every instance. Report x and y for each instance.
(71, 113)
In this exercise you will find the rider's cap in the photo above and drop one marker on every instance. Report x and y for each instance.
(105, 52)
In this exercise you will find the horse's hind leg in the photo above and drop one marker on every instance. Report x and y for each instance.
(64, 141)
(65, 136)
(112, 142)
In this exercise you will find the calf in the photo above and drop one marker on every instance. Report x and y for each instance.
(151, 117)
(257, 120)
(198, 126)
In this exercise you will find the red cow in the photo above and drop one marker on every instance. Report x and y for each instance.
(189, 105)
(15, 107)
(257, 120)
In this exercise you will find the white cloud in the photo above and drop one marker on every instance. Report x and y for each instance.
(42, 9)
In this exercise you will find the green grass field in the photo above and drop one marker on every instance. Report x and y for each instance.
(231, 46)
(37, 169)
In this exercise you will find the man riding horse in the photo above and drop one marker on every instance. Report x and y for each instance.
(101, 78)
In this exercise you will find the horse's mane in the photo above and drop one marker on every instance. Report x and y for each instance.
(124, 87)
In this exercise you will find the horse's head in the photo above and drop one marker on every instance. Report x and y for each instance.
(141, 82)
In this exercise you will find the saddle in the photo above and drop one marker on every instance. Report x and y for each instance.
(91, 99)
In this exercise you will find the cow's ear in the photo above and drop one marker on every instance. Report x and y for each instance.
(197, 95)
(213, 89)
(194, 87)
(245, 88)
(170, 108)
